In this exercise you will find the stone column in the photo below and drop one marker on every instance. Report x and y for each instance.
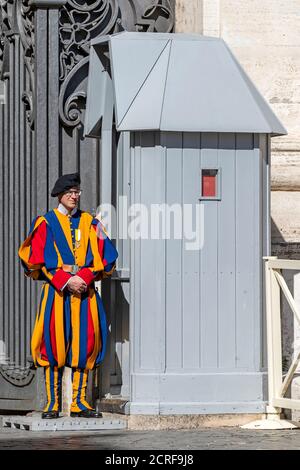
(188, 16)
(198, 16)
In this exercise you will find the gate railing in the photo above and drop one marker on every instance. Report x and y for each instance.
(278, 383)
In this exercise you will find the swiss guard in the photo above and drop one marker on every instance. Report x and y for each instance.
(69, 250)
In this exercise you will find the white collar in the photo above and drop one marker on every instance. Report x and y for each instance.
(61, 208)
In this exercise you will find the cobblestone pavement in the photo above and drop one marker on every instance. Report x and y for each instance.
(205, 438)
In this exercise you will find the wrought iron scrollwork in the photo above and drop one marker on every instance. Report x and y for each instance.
(17, 17)
(2, 42)
(157, 17)
(7, 17)
(81, 21)
(6, 33)
(28, 100)
(25, 20)
(20, 377)
(72, 104)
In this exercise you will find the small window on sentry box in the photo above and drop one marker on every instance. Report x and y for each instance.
(210, 183)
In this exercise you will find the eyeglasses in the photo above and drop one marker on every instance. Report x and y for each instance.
(72, 193)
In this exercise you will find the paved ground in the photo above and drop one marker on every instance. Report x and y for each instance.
(206, 438)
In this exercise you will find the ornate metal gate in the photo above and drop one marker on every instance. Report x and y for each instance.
(44, 47)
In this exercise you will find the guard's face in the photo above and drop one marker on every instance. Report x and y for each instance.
(70, 198)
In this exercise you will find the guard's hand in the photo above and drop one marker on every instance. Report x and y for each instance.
(76, 285)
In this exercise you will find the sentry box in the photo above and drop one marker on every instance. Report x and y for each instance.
(183, 127)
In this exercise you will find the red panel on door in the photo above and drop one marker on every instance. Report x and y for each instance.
(209, 183)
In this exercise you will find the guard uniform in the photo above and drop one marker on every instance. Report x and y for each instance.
(70, 329)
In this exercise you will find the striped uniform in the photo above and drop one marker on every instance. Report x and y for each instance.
(70, 329)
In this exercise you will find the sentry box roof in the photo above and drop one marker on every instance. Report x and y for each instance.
(172, 82)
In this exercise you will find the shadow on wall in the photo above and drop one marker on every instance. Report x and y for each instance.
(281, 247)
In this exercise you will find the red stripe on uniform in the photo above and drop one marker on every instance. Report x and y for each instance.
(52, 333)
(86, 275)
(100, 237)
(38, 242)
(52, 339)
(60, 278)
(90, 332)
(43, 349)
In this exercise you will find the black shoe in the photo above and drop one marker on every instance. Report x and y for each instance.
(50, 415)
(86, 414)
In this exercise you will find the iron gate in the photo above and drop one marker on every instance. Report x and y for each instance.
(44, 47)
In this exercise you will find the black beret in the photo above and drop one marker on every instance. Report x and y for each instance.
(65, 182)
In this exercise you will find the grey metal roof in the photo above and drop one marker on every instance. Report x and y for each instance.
(175, 82)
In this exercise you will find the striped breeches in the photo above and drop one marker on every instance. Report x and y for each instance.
(53, 379)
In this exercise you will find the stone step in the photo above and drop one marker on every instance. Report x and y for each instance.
(34, 423)
(113, 405)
